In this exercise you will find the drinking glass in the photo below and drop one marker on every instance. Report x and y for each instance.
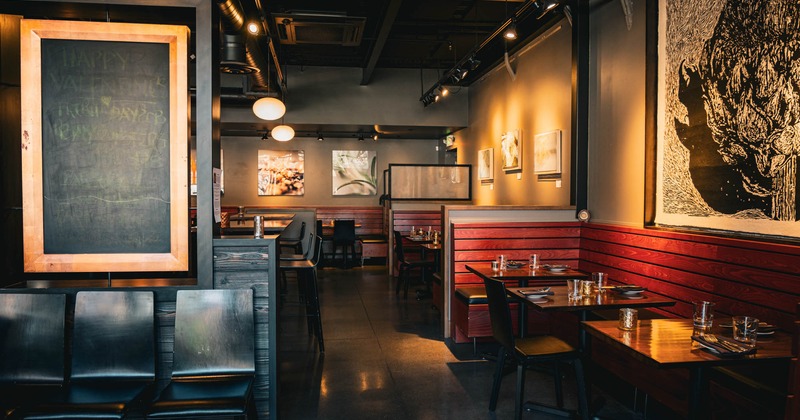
(745, 329)
(600, 280)
(501, 262)
(628, 318)
(534, 261)
(703, 316)
(573, 289)
(587, 288)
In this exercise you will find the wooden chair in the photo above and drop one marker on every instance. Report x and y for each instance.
(406, 266)
(213, 359)
(527, 352)
(32, 348)
(113, 358)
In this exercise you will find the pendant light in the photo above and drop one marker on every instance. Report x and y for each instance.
(269, 109)
(283, 132)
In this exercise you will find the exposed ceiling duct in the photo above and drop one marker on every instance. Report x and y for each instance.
(253, 62)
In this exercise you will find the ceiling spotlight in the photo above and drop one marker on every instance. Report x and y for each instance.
(549, 4)
(511, 30)
(319, 137)
(360, 137)
(443, 91)
(252, 28)
(283, 133)
(375, 137)
(265, 137)
(473, 63)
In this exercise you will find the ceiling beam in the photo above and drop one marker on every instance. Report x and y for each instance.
(380, 41)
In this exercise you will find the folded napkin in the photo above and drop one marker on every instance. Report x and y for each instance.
(722, 346)
(544, 291)
(514, 264)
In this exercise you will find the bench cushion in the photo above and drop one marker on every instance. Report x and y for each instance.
(472, 294)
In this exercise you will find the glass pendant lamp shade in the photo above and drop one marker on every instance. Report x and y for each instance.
(269, 109)
(283, 133)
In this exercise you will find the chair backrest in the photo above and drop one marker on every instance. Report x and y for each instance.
(214, 333)
(398, 247)
(344, 230)
(114, 335)
(32, 338)
(319, 228)
(317, 250)
(500, 313)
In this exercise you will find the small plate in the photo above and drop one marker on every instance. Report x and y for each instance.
(556, 268)
(514, 265)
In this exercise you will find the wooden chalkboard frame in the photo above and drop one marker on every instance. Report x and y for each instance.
(35, 259)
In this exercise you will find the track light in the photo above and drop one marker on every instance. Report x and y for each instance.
(511, 30)
(319, 137)
(252, 28)
(443, 91)
(375, 137)
(360, 137)
(265, 137)
(473, 63)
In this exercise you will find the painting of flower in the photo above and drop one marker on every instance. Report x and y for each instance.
(355, 172)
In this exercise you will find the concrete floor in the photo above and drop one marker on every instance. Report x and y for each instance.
(386, 358)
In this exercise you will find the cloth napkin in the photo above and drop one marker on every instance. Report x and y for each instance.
(537, 291)
(720, 349)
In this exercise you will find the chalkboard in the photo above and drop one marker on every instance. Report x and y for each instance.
(105, 146)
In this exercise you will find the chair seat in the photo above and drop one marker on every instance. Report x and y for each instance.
(541, 347)
(206, 397)
(295, 264)
(292, 257)
(97, 399)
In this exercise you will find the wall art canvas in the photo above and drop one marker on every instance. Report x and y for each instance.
(511, 148)
(355, 172)
(486, 164)
(728, 116)
(281, 172)
(547, 153)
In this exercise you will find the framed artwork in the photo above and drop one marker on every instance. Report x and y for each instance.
(725, 120)
(430, 182)
(486, 164)
(547, 153)
(355, 172)
(280, 172)
(511, 149)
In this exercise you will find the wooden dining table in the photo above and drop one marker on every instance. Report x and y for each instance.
(525, 276)
(667, 343)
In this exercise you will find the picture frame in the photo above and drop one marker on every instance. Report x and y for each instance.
(511, 151)
(713, 160)
(115, 198)
(547, 153)
(281, 172)
(354, 172)
(486, 165)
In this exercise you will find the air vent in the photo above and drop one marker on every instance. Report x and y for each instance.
(311, 28)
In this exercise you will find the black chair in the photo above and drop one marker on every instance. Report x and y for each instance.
(113, 358)
(344, 236)
(300, 256)
(31, 348)
(309, 290)
(527, 352)
(295, 244)
(406, 266)
(213, 359)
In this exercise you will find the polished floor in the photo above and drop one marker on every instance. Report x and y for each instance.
(386, 358)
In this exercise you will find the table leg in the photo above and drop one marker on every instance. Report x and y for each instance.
(698, 393)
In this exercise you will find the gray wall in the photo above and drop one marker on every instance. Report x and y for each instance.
(240, 155)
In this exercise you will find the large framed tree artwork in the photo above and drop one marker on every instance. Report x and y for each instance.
(725, 79)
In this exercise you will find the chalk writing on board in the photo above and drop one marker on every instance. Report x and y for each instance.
(105, 147)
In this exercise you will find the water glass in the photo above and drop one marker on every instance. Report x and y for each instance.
(703, 316)
(628, 318)
(533, 262)
(745, 329)
(600, 280)
(501, 262)
(573, 289)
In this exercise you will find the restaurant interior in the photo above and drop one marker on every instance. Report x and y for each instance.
(399, 209)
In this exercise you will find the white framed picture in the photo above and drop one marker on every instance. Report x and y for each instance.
(547, 153)
(486, 164)
(511, 149)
